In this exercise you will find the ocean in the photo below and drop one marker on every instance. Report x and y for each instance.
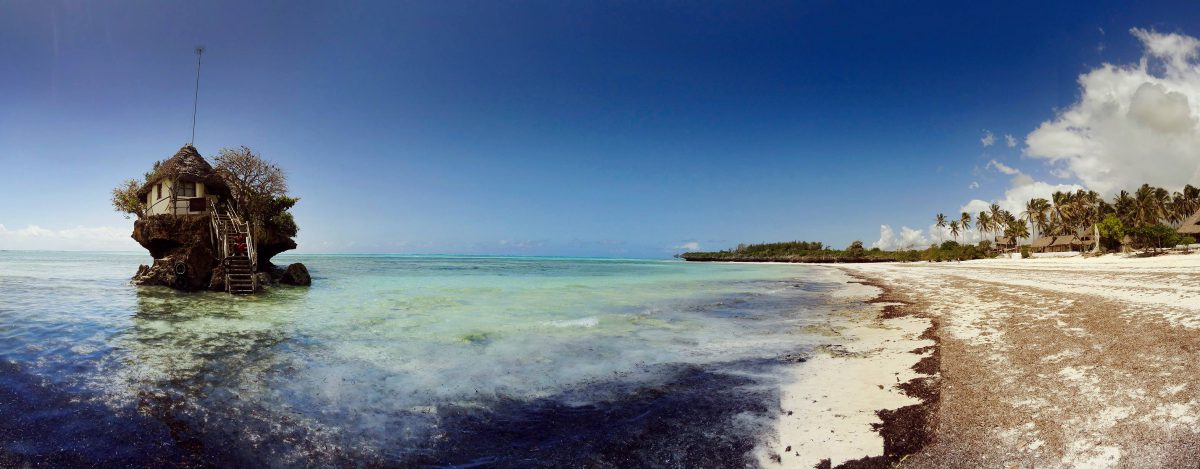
(404, 361)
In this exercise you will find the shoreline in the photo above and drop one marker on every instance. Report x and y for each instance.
(1059, 361)
(866, 402)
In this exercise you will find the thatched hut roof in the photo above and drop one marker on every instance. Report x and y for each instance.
(1042, 242)
(1069, 240)
(1191, 226)
(1004, 240)
(188, 165)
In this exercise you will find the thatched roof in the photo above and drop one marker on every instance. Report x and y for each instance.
(1066, 241)
(1042, 242)
(188, 165)
(1191, 225)
(1004, 240)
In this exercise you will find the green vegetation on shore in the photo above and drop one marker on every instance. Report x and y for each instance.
(1149, 218)
(817, 252)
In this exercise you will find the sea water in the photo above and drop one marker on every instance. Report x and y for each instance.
(403, 360)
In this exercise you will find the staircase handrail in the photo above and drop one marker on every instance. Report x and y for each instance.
(243, 228)
(218, 235)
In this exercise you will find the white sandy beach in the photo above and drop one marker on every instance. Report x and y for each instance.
(829, 406)
(1054, 362)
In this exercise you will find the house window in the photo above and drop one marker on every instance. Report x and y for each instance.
(158, 191)
(186, 189)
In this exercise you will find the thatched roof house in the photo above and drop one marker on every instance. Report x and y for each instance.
(1042, 243)
(182, 185)
(1068, 241)
(1191, 226)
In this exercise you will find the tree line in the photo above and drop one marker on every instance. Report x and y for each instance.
(1150, 216)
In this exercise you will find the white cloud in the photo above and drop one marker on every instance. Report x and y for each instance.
(973, 185)
(103, 238)
(688, 246)
(1016, 196)
(1132, 124)
(908, 239)
(1178, 49)
(988, 138)
(1010, 140)
(1009, 170)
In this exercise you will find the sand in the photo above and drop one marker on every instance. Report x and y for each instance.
(1056, 362)
(830, 403)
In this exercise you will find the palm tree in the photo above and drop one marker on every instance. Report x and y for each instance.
(964, 222)
(1162, 200)
(1177, 210)
(1146, 209)
(983, 223)
(1061, 213)
(1037, 211)
(1016, 229)
(1125, 205)
(941, 223)
(1003, 220)
(1191, 195)
(997, 217)
(954, 229)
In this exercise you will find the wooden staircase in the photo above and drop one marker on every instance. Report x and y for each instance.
(228, 231)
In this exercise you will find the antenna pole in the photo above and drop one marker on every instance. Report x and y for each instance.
(196, 97)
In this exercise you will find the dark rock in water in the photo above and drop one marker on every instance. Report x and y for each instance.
(185, 257)
(264, 279)
(218, 279)
(182, 249)
(296, 274)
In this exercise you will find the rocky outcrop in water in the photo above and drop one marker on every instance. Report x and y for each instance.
(182, 249)
(296, 274)
(185, 258)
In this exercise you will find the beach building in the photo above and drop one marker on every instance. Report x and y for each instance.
(1006, 243)
(1041, 244)
(1064, 244)
(1191, 226)
(184, 184)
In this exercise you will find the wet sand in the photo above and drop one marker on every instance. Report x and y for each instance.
(1066, 362)
(863, 402)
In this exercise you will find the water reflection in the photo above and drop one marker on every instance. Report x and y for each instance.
(201, 364)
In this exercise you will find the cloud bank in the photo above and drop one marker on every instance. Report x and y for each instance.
(907, 239)
(1132, 124)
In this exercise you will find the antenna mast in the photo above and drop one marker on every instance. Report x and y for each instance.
(196, 97)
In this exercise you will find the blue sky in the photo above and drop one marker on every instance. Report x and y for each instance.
(569, 128)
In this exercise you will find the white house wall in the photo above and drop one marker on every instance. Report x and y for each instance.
(162, 205)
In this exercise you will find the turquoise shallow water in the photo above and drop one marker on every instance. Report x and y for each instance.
(400, 360)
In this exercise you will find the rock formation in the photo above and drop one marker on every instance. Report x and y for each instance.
(185, 259)
(182, 249)
(296, 274)
(182, 242)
